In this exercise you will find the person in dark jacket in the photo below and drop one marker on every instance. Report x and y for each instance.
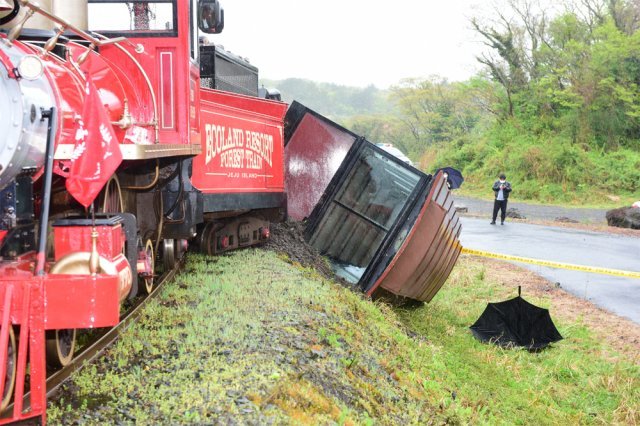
(501, 188)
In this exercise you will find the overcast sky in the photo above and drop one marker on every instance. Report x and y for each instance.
(354, 42)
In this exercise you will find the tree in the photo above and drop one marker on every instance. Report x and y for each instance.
(434, 110)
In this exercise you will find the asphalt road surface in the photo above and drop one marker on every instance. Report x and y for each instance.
(535, 211)
(616, 294)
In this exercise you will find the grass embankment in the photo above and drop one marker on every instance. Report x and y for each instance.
(250, 338)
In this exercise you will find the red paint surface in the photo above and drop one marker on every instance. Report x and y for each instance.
(73, 239)
(49, 302)
(313, 155)
(167, 98)
(81, 301)
(242, 144)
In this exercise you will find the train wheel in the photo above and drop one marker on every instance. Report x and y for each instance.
(60, 347)
(149, 281)
(11, 367)
(209, 238)
(169, 253)
(181, 249)
(203, 238)
(111, 200)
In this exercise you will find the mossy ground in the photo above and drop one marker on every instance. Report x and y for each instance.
(250, 338)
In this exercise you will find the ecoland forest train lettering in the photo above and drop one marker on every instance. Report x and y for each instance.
(238, 148)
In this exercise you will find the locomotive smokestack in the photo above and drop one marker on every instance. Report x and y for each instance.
(73, 11)
(38, 21)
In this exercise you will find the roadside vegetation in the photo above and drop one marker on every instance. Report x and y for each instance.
(557, 107)
(254, 338)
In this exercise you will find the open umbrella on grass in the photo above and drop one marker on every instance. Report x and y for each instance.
(454, 177)
(516, 322)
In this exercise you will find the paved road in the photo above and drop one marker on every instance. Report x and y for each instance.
(616, 294)
(535, 211)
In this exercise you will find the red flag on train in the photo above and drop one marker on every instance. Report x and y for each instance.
(96, 155)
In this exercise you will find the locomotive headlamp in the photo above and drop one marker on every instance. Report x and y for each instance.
(30, 67)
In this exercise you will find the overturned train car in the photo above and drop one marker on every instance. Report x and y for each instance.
(385, 225)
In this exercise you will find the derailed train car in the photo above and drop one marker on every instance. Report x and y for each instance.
(385, 225)
(117, 150)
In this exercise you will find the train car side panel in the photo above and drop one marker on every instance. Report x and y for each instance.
(242, 145)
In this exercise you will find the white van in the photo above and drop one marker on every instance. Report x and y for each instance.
(395, 152)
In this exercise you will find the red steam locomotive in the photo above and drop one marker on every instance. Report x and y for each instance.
(115, 150)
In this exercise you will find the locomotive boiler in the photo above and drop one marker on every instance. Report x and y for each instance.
(113, 158)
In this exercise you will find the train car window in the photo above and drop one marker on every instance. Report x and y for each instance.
(139, 18)
(363, 212)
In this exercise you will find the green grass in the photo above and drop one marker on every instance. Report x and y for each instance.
(251, 338)
(576, 381)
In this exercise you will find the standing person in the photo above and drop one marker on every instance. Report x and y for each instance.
(501, 188)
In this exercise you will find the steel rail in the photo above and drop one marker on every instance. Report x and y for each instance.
(95, 349)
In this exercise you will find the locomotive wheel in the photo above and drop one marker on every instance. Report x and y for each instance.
(112, 201)
(60, 347)
(181, 249)
(149, 281)
(10, 378)
(169, 253)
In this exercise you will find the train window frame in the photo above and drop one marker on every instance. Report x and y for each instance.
(393, 231)
(173, 32)
(194, 35)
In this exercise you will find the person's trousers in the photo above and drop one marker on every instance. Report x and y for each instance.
(499, 205)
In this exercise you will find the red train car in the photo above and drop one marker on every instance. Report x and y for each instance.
(112, 157)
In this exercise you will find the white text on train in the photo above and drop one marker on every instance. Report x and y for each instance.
(238, 148)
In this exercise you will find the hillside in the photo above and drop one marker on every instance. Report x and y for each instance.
(556, 108)
(335, 101)
(255, 338)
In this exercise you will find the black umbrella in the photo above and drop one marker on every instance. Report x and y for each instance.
(454, 177)
(516, 322)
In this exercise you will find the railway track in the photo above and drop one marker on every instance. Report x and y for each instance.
(97, 347)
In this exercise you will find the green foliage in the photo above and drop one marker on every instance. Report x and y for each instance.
(434, 110)
(546, 167)
(333, 100)
(249, 338)
(558, 109)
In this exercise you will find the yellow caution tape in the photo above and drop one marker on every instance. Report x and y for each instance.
(595, 270)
